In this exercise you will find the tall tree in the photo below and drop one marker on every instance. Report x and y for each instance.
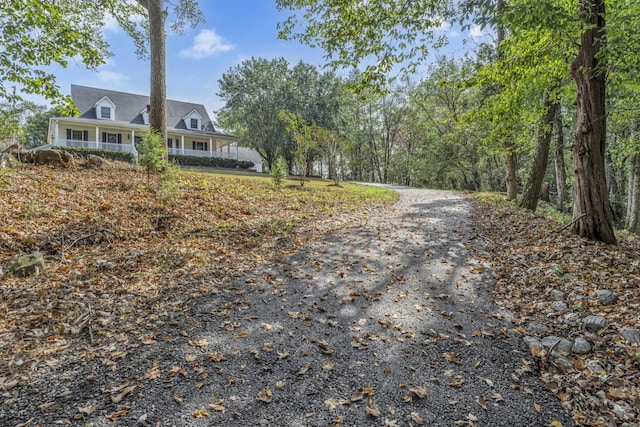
(591, 210)
(185, 11)
(254, 93)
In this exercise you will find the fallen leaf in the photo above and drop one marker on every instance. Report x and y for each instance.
(26, 423)
(121, 413)
(265, 395)
(537, 407)
(302, 370)
(372, 409)
(357, 396)
(118, 397)
(482, 402)
(88, 410)
(177, 398)
(201, 413)
(218, 406)
(420, 392)
(416, 418)
(328, 365)
(331, 403)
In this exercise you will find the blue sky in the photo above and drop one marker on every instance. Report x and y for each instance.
(235, 30)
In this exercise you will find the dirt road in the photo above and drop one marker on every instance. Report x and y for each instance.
(387, 322)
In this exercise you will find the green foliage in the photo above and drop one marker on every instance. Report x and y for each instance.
(36, 126)
(302, 134)
(152, 154)
(37, 34)
(278, 172)
(381, 32)
(213, 162)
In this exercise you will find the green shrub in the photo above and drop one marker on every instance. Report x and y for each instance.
(278, 172)
(214, 162)
(151, 153)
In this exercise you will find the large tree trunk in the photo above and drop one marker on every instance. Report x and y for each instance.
(561, 171)
(509, 147)
(531, 192)
(633, 205)
(591, 210)
(157, 49)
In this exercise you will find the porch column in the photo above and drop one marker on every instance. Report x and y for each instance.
(97, 137)
(228, 151)
(133, 142)
(210, 147)
(182, 144)
(57, 140)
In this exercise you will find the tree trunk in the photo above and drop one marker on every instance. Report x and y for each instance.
(512, 171)
(157, 49)
(561, 171)
(531, 192)
(633, 205)
(591, 210)
(510, 162)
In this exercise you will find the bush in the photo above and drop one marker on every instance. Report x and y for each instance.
(121, 156)
(278, 172)
(152, 153)
(214, 162)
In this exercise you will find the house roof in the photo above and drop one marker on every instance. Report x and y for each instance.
(129, 107)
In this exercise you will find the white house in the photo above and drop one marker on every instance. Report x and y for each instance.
(112, 120)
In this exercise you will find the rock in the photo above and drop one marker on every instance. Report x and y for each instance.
(533, 344)
(94, 161)
(581, 346)
(556, 295)
(631, 335)
(594, 323)
(7, 161)
(538, 328)
(595, 367)
(571, 317)
(27, 265)
(561, 362)
(54, 158)
(605, 296)
(559, 305)
(557, 343)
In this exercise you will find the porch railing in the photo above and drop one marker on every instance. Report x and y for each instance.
(131, 149)
(202, 153)
(96, 145)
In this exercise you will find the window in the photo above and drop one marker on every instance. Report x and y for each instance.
(76, 135)
(199, 145)
(105, 112)
(195, 123)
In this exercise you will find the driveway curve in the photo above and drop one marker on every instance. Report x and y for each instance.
(386, 322)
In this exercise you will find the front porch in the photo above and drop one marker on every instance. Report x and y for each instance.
(96, 134)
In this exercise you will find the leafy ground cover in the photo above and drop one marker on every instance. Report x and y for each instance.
(116, 249)
(535, 256)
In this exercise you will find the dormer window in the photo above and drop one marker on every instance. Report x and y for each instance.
(145, 115)
(105, 109)
(193, 120)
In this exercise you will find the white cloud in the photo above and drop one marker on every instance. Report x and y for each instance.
(476, 32)
(111, 77)
(110, 24)
(207, 43)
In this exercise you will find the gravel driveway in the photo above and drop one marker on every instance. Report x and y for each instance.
(383, 323)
